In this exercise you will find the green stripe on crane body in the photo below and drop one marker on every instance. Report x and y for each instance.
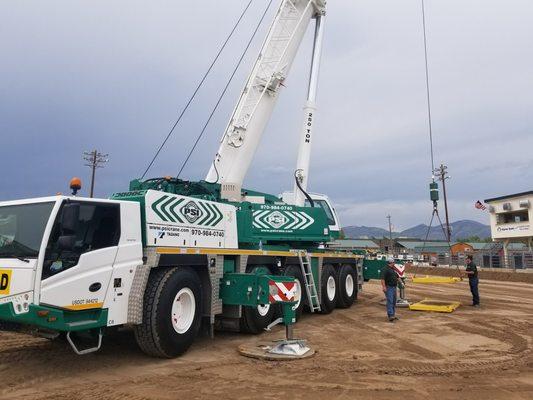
(155, 204)
(173, 210)
(215, 215)
(219, 217)
(165, 211)
(207, 213)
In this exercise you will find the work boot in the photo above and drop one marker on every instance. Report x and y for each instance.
(391, 319)
(396, 318)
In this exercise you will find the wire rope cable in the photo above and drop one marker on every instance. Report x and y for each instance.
(222, 94)
(427, 88)
(189, 101)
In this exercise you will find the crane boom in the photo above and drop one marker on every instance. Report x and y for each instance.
(257, 100)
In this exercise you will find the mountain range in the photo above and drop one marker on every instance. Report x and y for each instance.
(460, 229)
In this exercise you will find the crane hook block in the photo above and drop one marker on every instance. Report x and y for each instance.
(434, 191)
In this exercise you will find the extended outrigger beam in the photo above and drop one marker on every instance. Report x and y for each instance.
(254, 290)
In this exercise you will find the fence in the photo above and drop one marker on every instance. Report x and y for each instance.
(487, 259)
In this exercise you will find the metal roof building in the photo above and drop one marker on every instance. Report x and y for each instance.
(354, 244)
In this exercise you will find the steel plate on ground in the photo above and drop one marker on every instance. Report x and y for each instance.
(435, 279)
(435, 305)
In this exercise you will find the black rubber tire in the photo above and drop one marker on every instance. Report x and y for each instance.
(253, 322)
(327, 305)
(345, 300)
(156, 336)
(295, 271)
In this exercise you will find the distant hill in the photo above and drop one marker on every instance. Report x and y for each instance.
(356, 232)
(460, 229)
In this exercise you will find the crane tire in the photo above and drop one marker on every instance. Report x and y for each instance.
(347, 286)
(171, 312)
(329, 289)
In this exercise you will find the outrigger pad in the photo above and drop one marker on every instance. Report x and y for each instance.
(435, 305)
(435, 279)
(279, 350)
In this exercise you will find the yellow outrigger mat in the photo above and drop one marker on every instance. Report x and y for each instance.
(435, 305)
(435, 279)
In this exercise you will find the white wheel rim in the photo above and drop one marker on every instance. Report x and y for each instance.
(330, 288)
(349, 285)
(263, 309)
(297, 295)
(183, 310)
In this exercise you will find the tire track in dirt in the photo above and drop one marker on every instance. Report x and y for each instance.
(519, 354)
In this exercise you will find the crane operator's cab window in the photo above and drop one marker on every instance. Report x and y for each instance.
(323, 204)
(80, 227)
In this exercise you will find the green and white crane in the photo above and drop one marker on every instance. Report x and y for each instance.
(168, 256)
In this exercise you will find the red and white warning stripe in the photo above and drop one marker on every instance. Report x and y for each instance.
(281, 291)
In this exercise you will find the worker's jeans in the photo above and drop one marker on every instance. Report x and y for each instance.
(390, 294)
(474, 282)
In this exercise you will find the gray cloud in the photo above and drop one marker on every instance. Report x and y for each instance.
(113, 76)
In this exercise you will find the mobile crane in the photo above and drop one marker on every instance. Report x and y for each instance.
(169, 255)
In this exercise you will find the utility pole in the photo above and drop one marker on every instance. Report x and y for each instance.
(390, 235)
(94, 160)
(442, 174)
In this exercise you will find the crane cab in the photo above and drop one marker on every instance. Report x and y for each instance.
(321, 201)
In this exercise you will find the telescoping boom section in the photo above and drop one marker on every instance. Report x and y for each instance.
(258, 98)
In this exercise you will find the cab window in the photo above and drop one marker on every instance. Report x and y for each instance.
(98, 227)
(324, 205)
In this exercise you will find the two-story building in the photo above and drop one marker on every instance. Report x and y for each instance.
(511, 220)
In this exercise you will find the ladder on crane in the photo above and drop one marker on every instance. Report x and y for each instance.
(309, 281)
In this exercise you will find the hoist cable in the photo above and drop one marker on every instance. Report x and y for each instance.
(225, 89)
(427, 89)
(197, 88)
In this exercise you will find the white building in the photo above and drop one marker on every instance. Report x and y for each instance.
(511, 219)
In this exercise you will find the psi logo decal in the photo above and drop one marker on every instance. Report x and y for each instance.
(5, 281)
(191, 211)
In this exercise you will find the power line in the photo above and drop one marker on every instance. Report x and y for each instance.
(427, 87)
(225, 88)
(197, 89)
(94, 160)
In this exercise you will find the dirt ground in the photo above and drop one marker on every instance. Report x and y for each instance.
(472, 353)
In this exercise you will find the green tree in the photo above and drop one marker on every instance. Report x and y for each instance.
(474, 238)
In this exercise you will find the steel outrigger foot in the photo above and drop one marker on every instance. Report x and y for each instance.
(85, 351)
(283, 349)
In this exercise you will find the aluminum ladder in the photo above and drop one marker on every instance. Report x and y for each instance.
(309, 281)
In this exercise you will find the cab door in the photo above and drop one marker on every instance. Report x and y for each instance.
(80, 255)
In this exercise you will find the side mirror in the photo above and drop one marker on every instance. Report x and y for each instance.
(70, 216)
(66, 242)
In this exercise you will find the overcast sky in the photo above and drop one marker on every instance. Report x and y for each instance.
(113, 75)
